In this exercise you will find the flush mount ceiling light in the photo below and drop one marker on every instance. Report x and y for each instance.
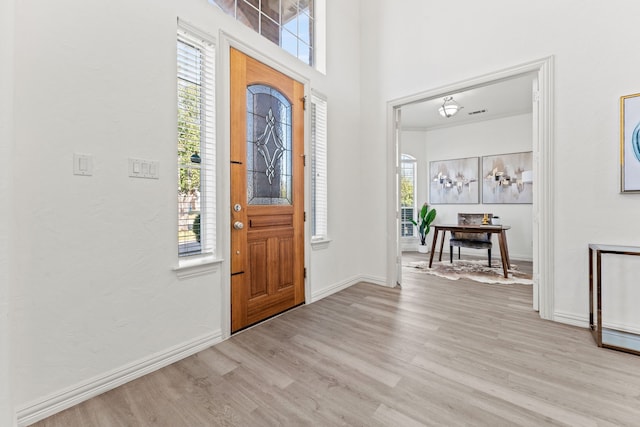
(449, 107)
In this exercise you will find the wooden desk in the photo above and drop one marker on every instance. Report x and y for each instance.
(494, 229)
(596, 324)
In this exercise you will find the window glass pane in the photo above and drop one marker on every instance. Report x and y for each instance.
(189, 219)
(189, 135)
(305, 5)
(271, 8)
(304, 51)
(304, 28)
(283, 22)
(270, 29)
(289, 42)
(407, 194)
(195, 140)
(249, 16)
(289, 9)
(269, 134)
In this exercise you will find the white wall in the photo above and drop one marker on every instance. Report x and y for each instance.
(337, 264)
(96, 296)
(7, 413)
(499, 136)
(406, 54)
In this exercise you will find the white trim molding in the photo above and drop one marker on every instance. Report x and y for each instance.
(78, 393)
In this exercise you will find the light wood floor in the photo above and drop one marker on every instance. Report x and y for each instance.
(434, 352)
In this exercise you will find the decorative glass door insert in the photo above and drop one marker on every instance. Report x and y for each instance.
(269, 170)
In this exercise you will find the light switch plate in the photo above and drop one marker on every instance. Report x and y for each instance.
(82, 164)
(139, 168)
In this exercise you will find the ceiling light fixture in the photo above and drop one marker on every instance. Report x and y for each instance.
(449, 107)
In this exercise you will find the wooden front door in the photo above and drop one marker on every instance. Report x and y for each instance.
(267, 191)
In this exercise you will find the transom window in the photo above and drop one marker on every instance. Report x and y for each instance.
(288, 23)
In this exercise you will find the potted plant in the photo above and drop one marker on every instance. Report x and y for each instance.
(425, 218)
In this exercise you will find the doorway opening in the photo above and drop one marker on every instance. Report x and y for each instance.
(539, 75)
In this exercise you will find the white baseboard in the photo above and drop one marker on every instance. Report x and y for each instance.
(622, 327)
(571, 319)
(621, 339)
(318, 295)
(74, 395)
(374, 280)
(337, 287)
(583, 322)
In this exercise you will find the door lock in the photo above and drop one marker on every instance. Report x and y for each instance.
(238, 225)
(237, 207)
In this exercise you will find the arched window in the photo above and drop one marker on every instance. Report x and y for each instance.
(407, 195)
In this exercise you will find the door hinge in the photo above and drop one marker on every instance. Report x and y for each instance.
(304, 160)
(305, 217)
(536, 96)
(304, 102)
(305, 272)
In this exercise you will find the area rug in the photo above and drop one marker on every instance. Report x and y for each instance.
(476, 270)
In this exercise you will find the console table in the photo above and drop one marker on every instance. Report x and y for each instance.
(596, 324)
(468, 228)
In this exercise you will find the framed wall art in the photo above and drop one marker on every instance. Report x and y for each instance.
(630, 143)
(507, 178)
(454, 181)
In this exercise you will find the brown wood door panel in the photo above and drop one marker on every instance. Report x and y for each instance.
(285, 254)
(257, 275)
(264, 307)
(270, 260)
(267, 246)
(270, 221)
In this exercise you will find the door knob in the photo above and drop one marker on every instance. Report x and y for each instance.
(238, 225)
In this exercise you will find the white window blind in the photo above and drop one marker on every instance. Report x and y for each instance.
(196, 145)
(319, 167)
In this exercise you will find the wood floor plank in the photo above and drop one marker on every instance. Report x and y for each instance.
(432, 352)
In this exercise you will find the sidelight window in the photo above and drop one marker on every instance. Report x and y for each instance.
(319, 167)
(195, 145)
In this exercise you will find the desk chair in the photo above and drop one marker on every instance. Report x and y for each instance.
(470, 240)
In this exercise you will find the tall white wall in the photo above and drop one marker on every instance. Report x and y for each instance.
(96, 294)
(7, 410)
(406, 53)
